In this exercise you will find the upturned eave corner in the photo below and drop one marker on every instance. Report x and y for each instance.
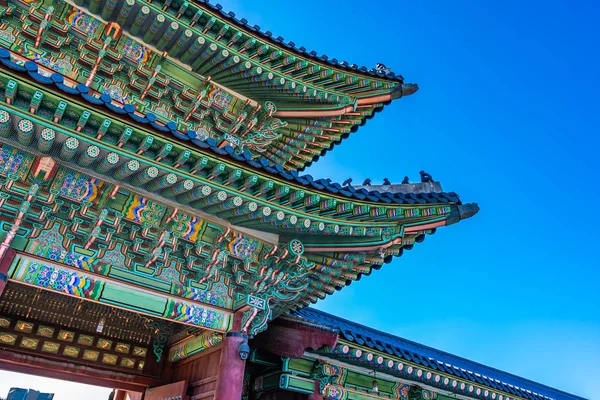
(461, 212)
(404, 89)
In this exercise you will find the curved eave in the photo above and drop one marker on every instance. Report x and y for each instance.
(95, 100)
(471, 372)
(335, 270)
(376, 104)
(331, 96)
(267, 36)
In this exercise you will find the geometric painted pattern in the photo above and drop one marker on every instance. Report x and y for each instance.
(76, 186)
(77, 283)
(49, 244)
(14, 162)
(143, 211)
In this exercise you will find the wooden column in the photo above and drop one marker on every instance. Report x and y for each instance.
(231, 368)
(5, 263)
(135, 396)
(316, 394)
(120, 395)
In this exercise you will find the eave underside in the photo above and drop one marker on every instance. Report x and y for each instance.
(423, 365)
(315, 107)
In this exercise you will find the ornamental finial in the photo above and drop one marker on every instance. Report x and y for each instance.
(381, 68)
(425, 177)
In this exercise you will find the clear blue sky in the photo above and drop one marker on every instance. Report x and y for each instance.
(508, 116)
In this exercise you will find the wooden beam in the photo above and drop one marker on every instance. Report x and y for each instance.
(291, 338)
(5, 263)
(33, 365)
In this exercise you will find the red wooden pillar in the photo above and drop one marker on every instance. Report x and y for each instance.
(5, 263)
(136, 396)
(231, 368)
(316, 394)
(120, 395)
(230, 381)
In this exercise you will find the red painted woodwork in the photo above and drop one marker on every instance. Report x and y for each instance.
(170, 391)
(134, 396)
(125, 395)
(5, 263)
(200, 370)
(230, 382)
(316, 395)
(33, 365)
(290, 338)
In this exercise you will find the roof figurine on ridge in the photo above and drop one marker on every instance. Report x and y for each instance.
(381, 68)
(425, 177)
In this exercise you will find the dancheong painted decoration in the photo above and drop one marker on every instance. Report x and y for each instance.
(157, 233)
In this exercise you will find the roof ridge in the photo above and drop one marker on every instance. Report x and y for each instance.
(209, 144)
(445, 353)
(302, 51)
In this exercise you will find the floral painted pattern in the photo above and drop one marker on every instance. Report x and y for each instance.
(49, 244)
(134, 50)
(141, 210)
(83, 22)
(244, 248)
(14, 162)
(117, 93)
(196, 315)
(76, 186)
(7, 34)
(218, 296)
(220, 98)
(58, 279)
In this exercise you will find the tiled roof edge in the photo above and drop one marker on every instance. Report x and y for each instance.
(57, 80)
(525, 380)
(279, 41)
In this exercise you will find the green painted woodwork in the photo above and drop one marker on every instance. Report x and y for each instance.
(267, 382)
(149, 245)
(343, 380)
(262, 357)
(131, 70)
(143, 211)
(295, 383)
(335, 223)
(317, 291)
(133, 278)
(193, 345)
(63, 280)
(361, 356)
(299, 366)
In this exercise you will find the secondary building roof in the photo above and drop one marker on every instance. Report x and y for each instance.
(437, 359)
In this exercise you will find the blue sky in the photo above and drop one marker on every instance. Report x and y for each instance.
(507, 116)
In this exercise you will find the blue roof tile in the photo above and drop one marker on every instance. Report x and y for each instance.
(210, 144)
(230, 16)
(436, 359)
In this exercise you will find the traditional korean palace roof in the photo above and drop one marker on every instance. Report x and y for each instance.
(160, 143)
(345, 231)
(279, 41)
(56, 80)
(195, 72)
(425, 365)
(151, 194)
